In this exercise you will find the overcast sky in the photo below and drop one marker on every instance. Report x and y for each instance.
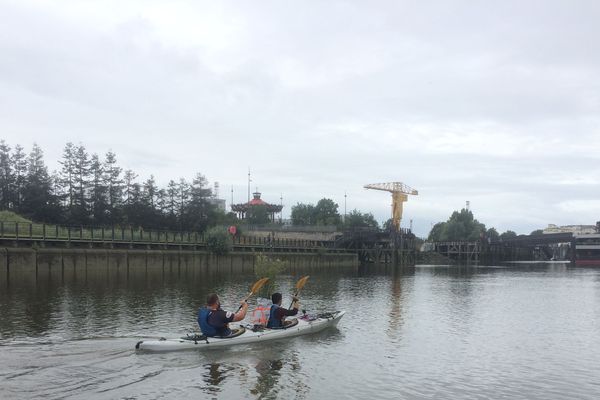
(495, 102)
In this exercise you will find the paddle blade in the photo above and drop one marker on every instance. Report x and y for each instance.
(301, 282)
(258, 285)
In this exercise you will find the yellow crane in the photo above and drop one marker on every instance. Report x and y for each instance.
(400, 193)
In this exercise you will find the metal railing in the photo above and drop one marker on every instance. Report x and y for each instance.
(22, 231)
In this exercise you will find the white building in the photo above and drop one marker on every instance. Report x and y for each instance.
(575, 229)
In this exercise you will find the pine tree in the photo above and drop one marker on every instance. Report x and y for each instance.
(129, 180)
(98, 192)
(199, 209)
(19, 163)
(67, 180)
(183, 195)
(6, 177)
(114, 186)
(38, 203)
(172, 202)
(150, 190)
(81, 175)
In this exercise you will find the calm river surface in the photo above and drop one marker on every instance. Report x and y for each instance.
(518, 332)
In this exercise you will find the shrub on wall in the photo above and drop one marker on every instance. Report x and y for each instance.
(218, 241)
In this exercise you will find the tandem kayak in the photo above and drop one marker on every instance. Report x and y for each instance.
(245, 334)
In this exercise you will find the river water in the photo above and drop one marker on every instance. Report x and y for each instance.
(518, 332)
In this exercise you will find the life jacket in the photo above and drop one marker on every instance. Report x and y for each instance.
(205, 327)
(274, 322)
(259, 315)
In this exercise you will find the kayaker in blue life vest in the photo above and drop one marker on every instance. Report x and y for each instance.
(277, 314)
(214, 321)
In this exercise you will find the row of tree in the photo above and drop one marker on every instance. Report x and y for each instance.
(325, 212)
(462, 226)
(90, 190)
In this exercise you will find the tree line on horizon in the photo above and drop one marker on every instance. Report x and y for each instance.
(462, 226)
(325, 213)
(90, 190)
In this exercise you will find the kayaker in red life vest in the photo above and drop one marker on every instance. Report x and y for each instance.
(277, 314)
(214, 321)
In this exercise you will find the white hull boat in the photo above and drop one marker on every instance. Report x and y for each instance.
(244, 335)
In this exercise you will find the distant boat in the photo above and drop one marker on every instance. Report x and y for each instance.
(587, 249)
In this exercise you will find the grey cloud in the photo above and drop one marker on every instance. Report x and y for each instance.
(496, 103)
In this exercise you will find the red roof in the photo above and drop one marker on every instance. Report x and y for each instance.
(257, 202)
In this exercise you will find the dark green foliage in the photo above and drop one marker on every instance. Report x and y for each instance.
(90, 191)
(303, 214)
(324, 213)
(269, 267)
(258, 215)
(492, 234)
(6, 176)
(218, 240)
(508, 235)
(460, 227)
(357, 219)
(537, 232)
(38, 202)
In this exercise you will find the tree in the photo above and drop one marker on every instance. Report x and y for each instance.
(114, 185)
(98, 192)
(303, 214)
(508, 235)
(38, 203)
(171, 205)
(66, 178)
(199, 210)
(6, 177)
(19, 162)
(129, 181)
(437, 232)
(356, 219)
(326, 213)
(492, 234)
(460, 227)
(258, 215)
(183, 196)
(81, 174)
(537, 232)
(149, 193)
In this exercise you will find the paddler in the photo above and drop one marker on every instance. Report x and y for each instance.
(277, 313)
(214, 321)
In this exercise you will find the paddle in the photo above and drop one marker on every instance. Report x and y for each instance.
(299, 285)
(255, 288)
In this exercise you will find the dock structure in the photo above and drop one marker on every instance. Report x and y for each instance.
(464, 252)
(556, 246)
(15, 234)
(375, 246)
(369, 244)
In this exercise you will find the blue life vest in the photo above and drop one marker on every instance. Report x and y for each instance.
(274, 322)
(205, 327)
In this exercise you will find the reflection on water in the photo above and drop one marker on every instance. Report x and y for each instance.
(528, 331)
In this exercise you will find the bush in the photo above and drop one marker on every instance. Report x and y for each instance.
(268, 267)
(218, 241)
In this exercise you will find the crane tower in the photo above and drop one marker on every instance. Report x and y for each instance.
(400, 193)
